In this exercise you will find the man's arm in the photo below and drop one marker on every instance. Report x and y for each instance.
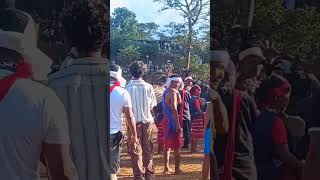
(220, 112)
(131, 123)
(58, 162)
(55, 150)
(311, 170)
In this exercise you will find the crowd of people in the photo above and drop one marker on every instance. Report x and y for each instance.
(258, 121)
(173, 106)
(257, 118)
(258, 132)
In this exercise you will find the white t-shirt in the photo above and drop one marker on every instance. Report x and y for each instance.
(31, 114)
(119, 98)
(143, 100)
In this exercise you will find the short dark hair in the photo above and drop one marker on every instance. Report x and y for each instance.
(114, 67)
(13, 20)
(86, 24)
(137, 69)
(194, 88)
(174, 75)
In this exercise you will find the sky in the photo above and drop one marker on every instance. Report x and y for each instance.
(148, 11)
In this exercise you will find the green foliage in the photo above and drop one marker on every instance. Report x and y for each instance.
(296, 32)
(201, 71)
(130, 53)
(125, 31)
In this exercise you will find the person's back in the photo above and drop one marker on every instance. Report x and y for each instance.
(82, 88)
(143, 99)
(118, 97)
(31, 115)
(244, 162)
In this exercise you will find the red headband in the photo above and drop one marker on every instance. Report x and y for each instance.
(282, 90)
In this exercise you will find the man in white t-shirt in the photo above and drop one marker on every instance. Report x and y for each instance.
(33, 119)
(120, 102)
(143, 101)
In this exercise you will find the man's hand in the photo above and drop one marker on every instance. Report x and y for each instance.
(180, 131)
(134, 142)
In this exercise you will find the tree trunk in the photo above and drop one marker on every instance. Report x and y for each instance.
(251, 13)
(189, 45)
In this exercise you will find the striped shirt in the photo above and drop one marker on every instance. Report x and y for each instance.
(143, 100)
(82, 89)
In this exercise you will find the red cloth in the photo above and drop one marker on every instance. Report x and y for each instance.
(116, 84)
(229, 155)
(23, 71)
(198, 105)
(197, 128)
(173, 142)
(279, 132)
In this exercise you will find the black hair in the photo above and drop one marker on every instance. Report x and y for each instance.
(13, 20)
(114, 67)
(86, 24)
(137, 69)
(174, 75)
(192, 90)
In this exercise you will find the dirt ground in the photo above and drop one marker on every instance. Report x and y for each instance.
(191, 164)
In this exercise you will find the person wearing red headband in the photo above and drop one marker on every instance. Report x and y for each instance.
(274, 159)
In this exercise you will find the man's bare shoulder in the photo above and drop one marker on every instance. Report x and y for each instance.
(173, 91)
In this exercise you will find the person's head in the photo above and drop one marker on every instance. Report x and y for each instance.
(275, 93)
(195, 91)
(230, 78)
(137, 69)
(251, 63)
(18, 42)
(116, 74)
(175, 82)
(218, 62)
(86, 25)
(188, 81)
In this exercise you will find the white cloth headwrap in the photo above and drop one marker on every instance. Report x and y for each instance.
(118, 75)
(169, 80)
(220, 56)
(26, 44)
(188, 78)
(251, 51)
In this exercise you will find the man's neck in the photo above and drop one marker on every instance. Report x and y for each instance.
(92, 54)
(137, 79)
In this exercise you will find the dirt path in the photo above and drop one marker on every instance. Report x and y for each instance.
(191, 164)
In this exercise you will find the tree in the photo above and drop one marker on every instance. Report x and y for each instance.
(131, 52)
(193, 11)
(200, 71)
(125, 30)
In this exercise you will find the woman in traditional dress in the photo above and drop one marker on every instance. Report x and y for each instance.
(271, 137)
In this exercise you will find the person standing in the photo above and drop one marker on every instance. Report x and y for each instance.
(188, 82)
(82, 87)
(33, 119)
(143, 103)
(172, 130)
(186, 117)
(121, 103)
(273, 154)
